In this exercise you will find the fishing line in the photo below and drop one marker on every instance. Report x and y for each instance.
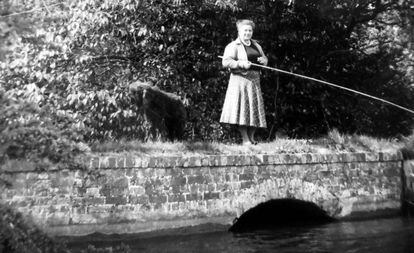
(334, 85)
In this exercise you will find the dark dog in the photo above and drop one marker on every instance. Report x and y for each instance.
(163, 110)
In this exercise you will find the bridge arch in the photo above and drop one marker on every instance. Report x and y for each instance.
(278, 213)
(291, 188)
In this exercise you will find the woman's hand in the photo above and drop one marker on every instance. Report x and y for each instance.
(262, 60)
(244, 64)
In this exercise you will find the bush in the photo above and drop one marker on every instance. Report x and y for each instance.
(35, 133)
(17, 235)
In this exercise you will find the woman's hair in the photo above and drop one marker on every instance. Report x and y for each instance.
(241, 22)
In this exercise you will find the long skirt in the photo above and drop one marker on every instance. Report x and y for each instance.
(243, 104)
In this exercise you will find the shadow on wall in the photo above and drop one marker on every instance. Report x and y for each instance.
(280, 213)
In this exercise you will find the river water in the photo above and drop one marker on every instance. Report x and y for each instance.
(380, 235)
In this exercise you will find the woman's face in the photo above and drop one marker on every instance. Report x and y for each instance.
(245, 32)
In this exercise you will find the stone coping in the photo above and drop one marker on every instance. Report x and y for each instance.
(112, 161)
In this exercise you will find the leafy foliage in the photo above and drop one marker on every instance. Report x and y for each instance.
(20, 235)
(30, 132)
(83, 55)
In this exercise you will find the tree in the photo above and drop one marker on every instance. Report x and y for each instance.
(85, 53)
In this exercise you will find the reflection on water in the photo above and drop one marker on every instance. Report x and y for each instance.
(382, 235)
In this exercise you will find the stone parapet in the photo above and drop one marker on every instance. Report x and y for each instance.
(143, 193)
(128, 161)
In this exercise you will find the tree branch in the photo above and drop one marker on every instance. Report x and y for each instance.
(379, 7)
(29, 11)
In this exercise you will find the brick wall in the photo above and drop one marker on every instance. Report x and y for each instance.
(120, 194)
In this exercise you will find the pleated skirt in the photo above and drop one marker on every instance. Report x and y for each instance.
(243, 104)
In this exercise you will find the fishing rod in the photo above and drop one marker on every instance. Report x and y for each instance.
(331, 84)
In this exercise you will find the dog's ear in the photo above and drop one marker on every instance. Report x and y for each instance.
(138, 85)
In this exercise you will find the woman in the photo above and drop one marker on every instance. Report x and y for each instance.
(243, 105)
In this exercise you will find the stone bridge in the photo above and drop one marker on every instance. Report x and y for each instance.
(126, 194)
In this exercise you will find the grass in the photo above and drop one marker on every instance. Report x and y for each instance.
(333, 142)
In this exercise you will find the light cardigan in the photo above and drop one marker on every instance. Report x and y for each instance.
(235, 52)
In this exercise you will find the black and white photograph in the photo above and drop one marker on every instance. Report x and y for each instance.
(222, 126)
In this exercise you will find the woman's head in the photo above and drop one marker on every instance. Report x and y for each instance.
(245, 29)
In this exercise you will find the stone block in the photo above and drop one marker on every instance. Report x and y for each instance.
(220, 187)
(205, 161)
(116, 200)
(392, 172)
(287, 159)
(121, 183)
(175, 206)
(230, 177)
(241, 160)
(219, 177)
(168, 162)
(144, 161)
(380, 156)
(78, 210)
(175, 189)
(120, 162)
(105, 190)
(209, 178)
(176, 197)
(247, 184)
(211, 187)
(57, 218)
(231, 160)
(194, 188)
(329, 158)
(198, 179)
(250, 170)
(397, 156)
(247, 177)
(130, 162)
(358, 157)
(163, 162)
(235, 186)
(211, 195)
(157, 199)
(101, 209)
(178, 180)
(142, 200)
(371, 157)
(195, 161)
(94, 201)
(308, 158)
(193, 197)
(137, 162)
(92, 191)
(214, 160)
(107, 162)
(259, 159)
(176, 161)
(152, 162)
(136, 190)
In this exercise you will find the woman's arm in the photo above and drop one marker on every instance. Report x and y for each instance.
(230, 57)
